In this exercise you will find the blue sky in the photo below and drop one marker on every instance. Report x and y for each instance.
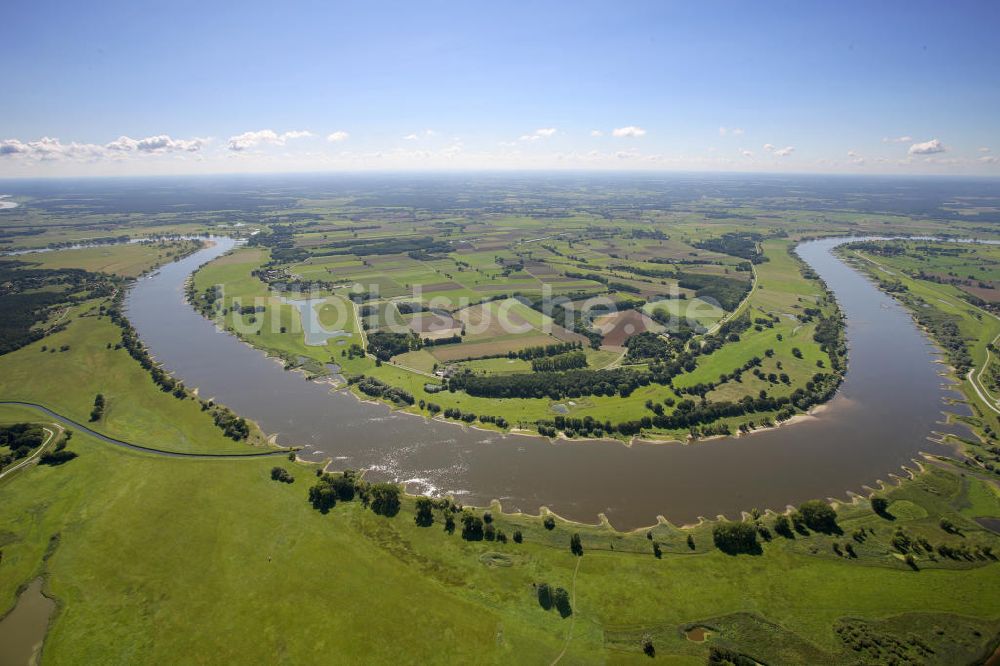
(179, 87)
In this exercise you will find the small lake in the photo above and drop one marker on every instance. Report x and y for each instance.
(22, 631)
(890, 403)
(315, 333)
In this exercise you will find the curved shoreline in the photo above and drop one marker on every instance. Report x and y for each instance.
(778, 466)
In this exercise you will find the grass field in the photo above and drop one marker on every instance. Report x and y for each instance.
(692, 309)
(159, 560)
(139, 575)
(130, 260)
(68, 381)
(501, 326)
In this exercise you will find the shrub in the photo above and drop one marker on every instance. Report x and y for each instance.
(735, 537)
(783, 526)
(385, 499)
(425, 513)
(56, 457)
(819, 516)
(281, 474)
(544, 595)
(560, 599)
(472, 527)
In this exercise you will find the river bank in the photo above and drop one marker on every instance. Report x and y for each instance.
(861, 435)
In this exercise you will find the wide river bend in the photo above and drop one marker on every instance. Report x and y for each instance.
(890, 403)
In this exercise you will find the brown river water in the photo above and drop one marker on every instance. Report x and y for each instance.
(891, 401)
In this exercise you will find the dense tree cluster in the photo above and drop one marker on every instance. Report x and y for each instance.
(498, 421)
(567, 361)
(541, 351)
(381, 498)
(281, 474)
(819, 516)
(472, 527)
(281, 241)
(232, 426)
(727, 292)
(553, 597)
(376, 388)
(945, 329)
(552, 385)
(59, 453)
(386, 344)
(409, 307)
(56, 457)
(333, 488)
(20, 439)
(422, 246)
(459, 415)
(743, 245)
(434, 342)
(649, 345)
(829, 334)
(735, 537)
(645, 272)
(28, 296)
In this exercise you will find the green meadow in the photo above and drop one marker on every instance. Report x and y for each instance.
(139, 575)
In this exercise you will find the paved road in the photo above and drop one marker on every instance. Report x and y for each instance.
(138, 447)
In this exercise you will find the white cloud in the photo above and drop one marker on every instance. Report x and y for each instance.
(248, 140)
(160, 143)
(416, 136)
(927, 148)
(856, 158)
(768, 147)
(540, 133)
(48, 148)
(630, 131)
(596, 133)
(989, 159)
(746, 153)
(338, 136)
(984, 149)
(730, 131)
(784, 152)
(12, 147)
(897, 139)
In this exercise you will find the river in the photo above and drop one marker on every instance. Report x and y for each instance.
(891, 401)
